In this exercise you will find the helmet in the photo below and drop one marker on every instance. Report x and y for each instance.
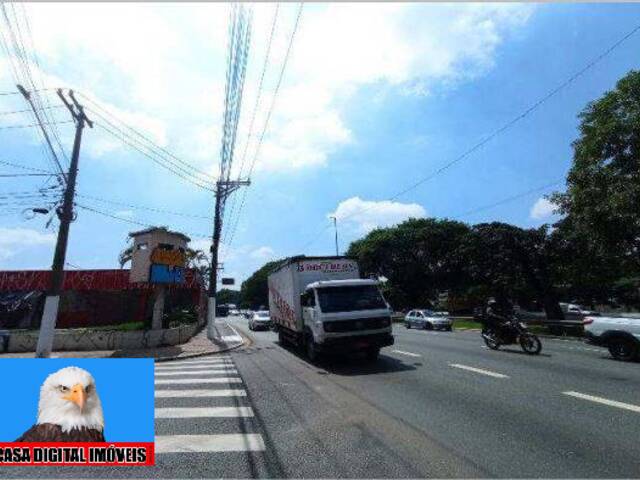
(492, 302)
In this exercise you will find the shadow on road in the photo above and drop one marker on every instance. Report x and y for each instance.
(354, 364)
(520, 352)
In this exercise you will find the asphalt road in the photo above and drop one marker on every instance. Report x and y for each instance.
(434, 405)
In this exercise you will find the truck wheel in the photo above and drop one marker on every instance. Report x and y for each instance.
(623, 349)
(311, 349)
(372, 354)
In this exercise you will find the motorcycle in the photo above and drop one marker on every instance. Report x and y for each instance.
(511, 333)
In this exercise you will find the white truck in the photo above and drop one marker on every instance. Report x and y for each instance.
(620, 334)
(322, 304)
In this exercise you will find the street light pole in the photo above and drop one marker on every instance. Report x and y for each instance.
(335, 227)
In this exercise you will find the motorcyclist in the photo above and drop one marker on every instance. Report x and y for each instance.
(498, 316)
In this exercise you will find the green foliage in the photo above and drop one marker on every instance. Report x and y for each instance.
(603, 185)
(254, 292)
(226, 295)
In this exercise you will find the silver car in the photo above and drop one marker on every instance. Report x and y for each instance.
(428, 320)
(260, 320)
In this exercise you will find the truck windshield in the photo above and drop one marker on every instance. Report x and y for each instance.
(348, 299)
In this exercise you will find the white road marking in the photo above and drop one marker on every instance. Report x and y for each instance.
(199, 393)
(195, 367)
(195, 362)
(478, 370)
(196, 372)
(232, 338)
(604, 401)
(203, 412)
(409, 354)
(230, 442)
(184, 381)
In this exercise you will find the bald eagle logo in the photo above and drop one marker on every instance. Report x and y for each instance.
(69, 409)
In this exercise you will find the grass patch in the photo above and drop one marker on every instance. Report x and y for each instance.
(123, 327)
(465, 324)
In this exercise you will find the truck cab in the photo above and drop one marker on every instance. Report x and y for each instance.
(340, 316)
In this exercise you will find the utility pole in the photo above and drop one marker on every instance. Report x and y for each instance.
(335, 226)
(224, 188)
(65, 214)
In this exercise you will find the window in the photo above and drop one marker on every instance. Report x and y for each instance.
(349, 299)
(308, 299)
(165, 246)
(142, 246)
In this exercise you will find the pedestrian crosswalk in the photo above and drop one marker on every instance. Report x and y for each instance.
(201, 406)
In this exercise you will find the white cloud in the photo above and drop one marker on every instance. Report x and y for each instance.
(363, 216)
(262, 253)
(161, 67)
(542, 209)
(15, 240)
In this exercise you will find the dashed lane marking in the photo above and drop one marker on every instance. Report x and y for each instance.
(481, 371)
(203, 412)
(604, 401)
(230, 442)
(408, 354)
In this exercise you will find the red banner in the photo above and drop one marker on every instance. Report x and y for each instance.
(65, 454)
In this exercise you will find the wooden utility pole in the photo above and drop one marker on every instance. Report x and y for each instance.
(223, 190)
(65, 214)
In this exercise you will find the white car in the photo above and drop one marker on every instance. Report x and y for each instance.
(428, 320)
(260, 320)
(620, 334)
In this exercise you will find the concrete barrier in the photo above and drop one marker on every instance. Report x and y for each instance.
(88, 340)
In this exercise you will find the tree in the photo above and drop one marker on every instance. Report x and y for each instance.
(603, 185)
(226, 295)
(417, 257)
(254, 292)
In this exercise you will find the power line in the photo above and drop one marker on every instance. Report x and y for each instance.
(133, 222)
(268, 118)
(140, 207)
(10, 164)
(158, 160)
(26, 110)
(255, 108)
(8, 127)
(104, 111)
(509, 199)
(11, 175)
(503, 128)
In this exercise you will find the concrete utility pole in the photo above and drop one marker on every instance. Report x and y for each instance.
(335, 227)
(223, 190)
(65, 214)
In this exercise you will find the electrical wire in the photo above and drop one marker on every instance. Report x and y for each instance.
(503, 128)
(140, 207)
(9, 127)
(268, 118)
(10, 164)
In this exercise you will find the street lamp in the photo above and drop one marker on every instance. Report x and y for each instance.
(335, 226)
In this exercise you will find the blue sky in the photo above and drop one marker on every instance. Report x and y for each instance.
(374, 98)
(125, 387)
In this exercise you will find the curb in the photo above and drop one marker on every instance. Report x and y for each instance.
(201, 354)
(245, 342)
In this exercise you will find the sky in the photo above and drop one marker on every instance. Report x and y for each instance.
(375, 98)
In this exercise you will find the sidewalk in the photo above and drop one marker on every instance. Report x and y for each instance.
(197, 346)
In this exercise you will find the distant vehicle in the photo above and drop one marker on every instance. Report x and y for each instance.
(323, 304)
(428, 320)
(247, 314)
(260, 320)
(222, 310)
(233, 311)
(572, 311)
(620, 334)
(509, 333)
